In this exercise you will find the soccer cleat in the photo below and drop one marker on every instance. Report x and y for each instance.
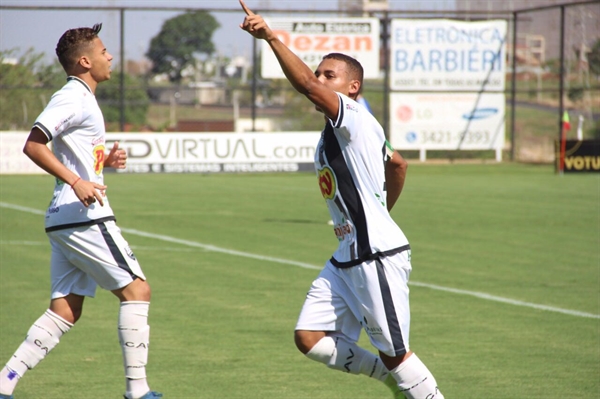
(149, 395)
(392, 384)
(4, 396)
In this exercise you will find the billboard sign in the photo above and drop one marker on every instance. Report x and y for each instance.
(312, 38)
(447, 55)
(216, 152)
(447, 121)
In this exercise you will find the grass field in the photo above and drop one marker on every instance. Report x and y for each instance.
(505, 291)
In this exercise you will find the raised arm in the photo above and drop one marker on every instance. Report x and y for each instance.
(297, 72)
(395, 175)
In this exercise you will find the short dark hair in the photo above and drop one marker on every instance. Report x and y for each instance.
(72, 42)
(355, 70)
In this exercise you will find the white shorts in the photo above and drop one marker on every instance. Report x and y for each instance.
(84, 257)
(372, 296)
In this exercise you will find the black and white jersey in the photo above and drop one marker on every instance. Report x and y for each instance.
(350, 165)
(73, 122)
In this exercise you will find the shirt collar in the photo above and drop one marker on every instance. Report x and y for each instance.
(80, 81)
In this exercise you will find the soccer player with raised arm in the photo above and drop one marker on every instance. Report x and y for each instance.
(364, 286)
(87, 248)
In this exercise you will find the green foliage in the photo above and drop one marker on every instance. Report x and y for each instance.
(22, 92)
(27, 85)
(51, 76)
(575, 93)
(594, 58)
(136, 99)
(300, 114)
(173, 49)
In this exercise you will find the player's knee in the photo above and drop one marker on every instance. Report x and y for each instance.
(143, 291)
(306, 340)
(300, 343)
(137, 290)
(77, 312)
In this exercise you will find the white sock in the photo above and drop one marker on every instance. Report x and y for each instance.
(415, 380)
(42, 337)
(338, 353)
(134, 336)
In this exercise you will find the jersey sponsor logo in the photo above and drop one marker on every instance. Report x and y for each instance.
(67, 119)
(99, 158)
(327, 183)
(53, 209)
(342, 230)
(351, 107)
(370, 330)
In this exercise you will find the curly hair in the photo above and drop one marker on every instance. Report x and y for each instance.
(72, 42)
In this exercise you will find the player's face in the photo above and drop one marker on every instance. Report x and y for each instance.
(100, 60)
(334, 74)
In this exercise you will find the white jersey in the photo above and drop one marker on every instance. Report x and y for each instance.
(74, 123)
(350, 164)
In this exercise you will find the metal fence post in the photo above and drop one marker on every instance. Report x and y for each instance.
(122, 77)
(386, 80)
(513, 94)
(562, 72)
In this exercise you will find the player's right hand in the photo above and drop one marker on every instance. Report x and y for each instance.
(255, 24)
(88, 192)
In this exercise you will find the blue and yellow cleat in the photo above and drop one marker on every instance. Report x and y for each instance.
(149, 395)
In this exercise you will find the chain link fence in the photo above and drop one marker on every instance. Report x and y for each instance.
(224, 91)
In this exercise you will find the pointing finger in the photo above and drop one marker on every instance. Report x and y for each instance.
(245, 8)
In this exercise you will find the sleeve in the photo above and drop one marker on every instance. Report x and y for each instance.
(388, 151)
(59, 115)
(350, 118)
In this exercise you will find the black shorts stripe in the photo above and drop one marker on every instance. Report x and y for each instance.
(390, 311)
(80, 224)
(114, 249)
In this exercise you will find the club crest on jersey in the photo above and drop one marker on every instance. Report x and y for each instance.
(351, 107)
(129, 253)
(99, 158)
(327, 182)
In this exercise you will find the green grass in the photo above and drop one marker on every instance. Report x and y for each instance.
(222, 323)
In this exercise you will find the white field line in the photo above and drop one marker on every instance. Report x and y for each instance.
(136, 247)
(213, 248)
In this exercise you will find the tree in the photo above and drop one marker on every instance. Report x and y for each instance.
(136, 100)
(173, 49)
(24, 87)
(594, 58)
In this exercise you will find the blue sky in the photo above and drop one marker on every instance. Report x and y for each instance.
(41, 29)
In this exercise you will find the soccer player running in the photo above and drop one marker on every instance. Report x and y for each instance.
(364, 284)
(87, 248)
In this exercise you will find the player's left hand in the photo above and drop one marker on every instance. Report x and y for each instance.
(117, 157)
